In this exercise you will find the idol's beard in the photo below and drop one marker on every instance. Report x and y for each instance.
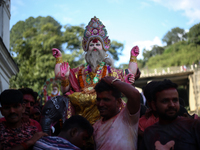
(93, 58)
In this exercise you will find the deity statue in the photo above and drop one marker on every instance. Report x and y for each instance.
(55, 90)
(78, 83)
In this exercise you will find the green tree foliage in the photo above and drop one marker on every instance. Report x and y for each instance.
(147, 54)
(116, 49)
(194, 34)
(31, 42)
(73, 36)
(177, 54)
(178, 51)
(175, 35)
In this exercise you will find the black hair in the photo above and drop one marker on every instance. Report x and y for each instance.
(79, 122)
(163, 85)
(143, 110)
(29, 91)
(103, 86)
(148, 89)
(11, 96)
(181, 101)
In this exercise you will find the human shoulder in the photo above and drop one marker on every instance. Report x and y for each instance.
(36, 124)
(75, 70)
(2, 119)
(54, 142)
(153, 128)
(189, 122)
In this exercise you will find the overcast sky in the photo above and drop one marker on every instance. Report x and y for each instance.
(131, 22)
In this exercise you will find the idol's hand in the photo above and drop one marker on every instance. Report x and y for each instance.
(135, 51)
(64, 70)
(56, 53)
(130, 78)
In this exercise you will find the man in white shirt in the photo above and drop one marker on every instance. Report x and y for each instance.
(118, 127)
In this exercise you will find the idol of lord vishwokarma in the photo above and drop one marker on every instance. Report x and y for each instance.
(78, 83)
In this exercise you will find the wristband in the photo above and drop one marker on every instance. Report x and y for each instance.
(24, 145)
(114, 80)
(65, 82)
(133, 59)
(59, 60)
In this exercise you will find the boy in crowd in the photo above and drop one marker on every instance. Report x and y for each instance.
(73, 136)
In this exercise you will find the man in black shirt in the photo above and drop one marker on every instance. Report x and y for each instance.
(171, 132)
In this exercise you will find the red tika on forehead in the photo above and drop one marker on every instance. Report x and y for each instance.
(95, 41)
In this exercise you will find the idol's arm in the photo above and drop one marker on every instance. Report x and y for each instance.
(132, 68)
(62, 71)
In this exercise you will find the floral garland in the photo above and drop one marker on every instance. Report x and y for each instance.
(80, 78)
(88, 71)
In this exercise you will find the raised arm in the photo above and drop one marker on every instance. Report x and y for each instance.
(62, 70)
(132, 68)
(133, 60)
(133, 103)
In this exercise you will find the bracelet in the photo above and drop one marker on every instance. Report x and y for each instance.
(133, 59)
(115, 80)
(24, 145)
(59, 60)
(65, 82)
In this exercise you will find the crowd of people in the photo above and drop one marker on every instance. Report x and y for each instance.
(165, 125)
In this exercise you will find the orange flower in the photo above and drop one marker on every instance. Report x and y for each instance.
(80, 78)
(104, 71)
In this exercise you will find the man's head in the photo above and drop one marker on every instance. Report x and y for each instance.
(108, 100)
(166, 100)
(147, 90)
(29, 98)
(12, 105)
(35, 113)
(77, 130)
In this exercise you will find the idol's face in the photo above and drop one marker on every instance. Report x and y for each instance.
(94, 45)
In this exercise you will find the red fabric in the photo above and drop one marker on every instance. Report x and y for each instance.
(10, 137)
(73, 82)
(196, 117)
(146, 122)
(36, 124)
(32, 123)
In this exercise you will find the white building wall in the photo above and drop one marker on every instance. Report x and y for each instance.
(5, 22)
(7, 64)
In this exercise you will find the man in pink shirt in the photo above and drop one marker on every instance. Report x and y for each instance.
(117, 129)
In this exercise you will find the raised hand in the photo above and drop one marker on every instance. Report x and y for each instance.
(64, 70)
(135, 51)
(56, 53)
(108, 79)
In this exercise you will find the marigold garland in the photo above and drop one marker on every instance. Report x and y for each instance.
(104, 71)
(80, 78)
